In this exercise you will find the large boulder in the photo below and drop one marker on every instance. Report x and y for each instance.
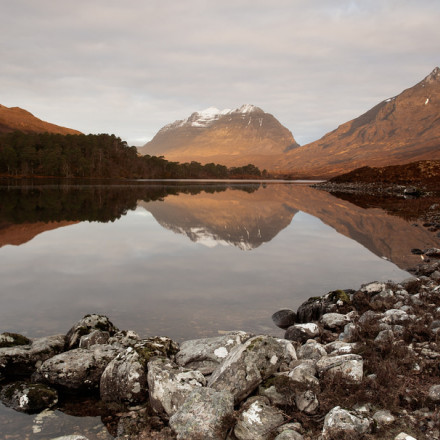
(28, 397)
(23, 360)
(205, 414)
(207, 354)
(169, 385)
(248, 364)
(349, 366)
(339, 420)
(78, 369)
(257, 420)
(87, 325)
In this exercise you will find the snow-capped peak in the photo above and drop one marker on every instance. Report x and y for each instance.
(248, 108)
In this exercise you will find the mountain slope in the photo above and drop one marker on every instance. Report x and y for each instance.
(399, 130)
(230, 137)
(15, 118)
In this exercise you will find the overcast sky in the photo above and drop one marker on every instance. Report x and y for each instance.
(108, 66)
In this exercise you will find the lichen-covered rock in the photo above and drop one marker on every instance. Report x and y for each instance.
(284, 318)
(86, 325)
(124, 379)
(311, 350)
(257, 420)
(28, 397)
(93, 338)
(13, 339)
(300, 333)
(71, 437)
(247, 365)
(334, 320)
(349, 366)
(340, 347)
(207, 354)
(78, 369)
(124, 339)
(304, 375)
(306, 401)
(404, 436)
(289, 434)
(279, 389)
(383, 417)
(156, 346)
(434, 393)
(205, 414)
(169, 385)
(395, 316)
(23, 360)
(341, 420)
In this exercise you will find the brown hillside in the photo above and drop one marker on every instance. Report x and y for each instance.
(399, 130)
(15, 118)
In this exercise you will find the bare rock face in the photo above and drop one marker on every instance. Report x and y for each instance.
(27, 397)
(22, 360)
(204, 414)
(257, 420)
(207, 354)
(169, 385)
(87, 325)
(247, 365)
(78, 369)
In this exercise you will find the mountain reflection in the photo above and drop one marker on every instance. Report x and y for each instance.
(244, 215)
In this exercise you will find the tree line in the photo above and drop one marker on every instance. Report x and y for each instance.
(101, 155)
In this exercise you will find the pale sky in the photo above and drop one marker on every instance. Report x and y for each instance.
(129, 68)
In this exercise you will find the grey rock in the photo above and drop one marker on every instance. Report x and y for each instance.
(434, 393)
(404, 436)
(284, 318)
(257, 420)
(13, 339)
(349, 366)
(28, 397)
(71, 437)
(125, 379)
(23, 360)
(205, 413)
(435, 275)
(93, 338)
(383, 417)
(86, 325)
(340, 347)
(207, 354)
(304, 375)
(169, 385)
(349, 332)
(433, 252)
(395, 316)
(306, 401)
(374, 287)
(334, 320)
(279, 389)
(78, 369)
(300, 333)
(384, 337)
(339, 419)
(289, 434)
(311, 350)
(247, 365)
(124, 339)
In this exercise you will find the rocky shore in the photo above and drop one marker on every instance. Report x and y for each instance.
(359, 364)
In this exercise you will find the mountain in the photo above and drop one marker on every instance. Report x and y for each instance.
(399, 130)
(229, 137)
(15, 118)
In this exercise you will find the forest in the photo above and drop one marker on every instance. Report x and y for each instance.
(99, 156)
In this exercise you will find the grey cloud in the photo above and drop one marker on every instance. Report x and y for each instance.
(132, 67)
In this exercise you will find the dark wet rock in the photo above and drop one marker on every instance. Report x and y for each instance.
(257, 419)
(247, 365)
(349, 366)
(416, 251)
(28, 397)
(300, 333)
(93, 338)
(169, 385)
(23, 360)
(87, 325)
(433, 252)
(339, 420)
(284, 318)
(205, 414)
(13, 339)
(78, 369)
(207, 354)
(124, 379)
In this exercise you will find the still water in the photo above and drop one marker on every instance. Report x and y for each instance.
(182, 260)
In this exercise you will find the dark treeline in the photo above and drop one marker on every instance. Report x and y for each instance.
(98, 156)
(34, 203)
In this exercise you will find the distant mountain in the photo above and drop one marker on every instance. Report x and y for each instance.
(399, 130)
(15, 118)
(230, 137)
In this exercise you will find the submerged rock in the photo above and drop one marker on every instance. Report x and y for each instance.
(28, 397)
(207, 354)
(247, 365)
(87, 325)
(169, 385)
(205, 414)
(284, 318)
